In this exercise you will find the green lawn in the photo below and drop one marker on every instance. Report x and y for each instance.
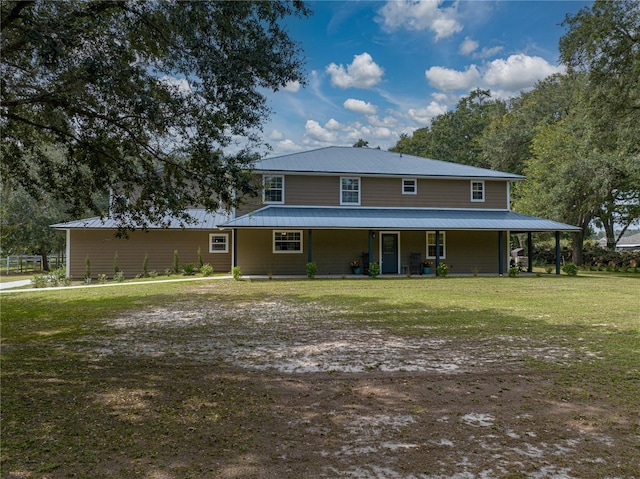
(84, 395)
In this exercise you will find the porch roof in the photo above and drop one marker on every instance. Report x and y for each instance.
(393, 218)
(203, 220)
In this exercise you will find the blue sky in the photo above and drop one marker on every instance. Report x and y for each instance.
(378, 69)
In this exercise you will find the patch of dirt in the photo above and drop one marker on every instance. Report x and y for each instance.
(351, 401)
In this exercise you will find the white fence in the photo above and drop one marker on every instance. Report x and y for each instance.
(22, 263)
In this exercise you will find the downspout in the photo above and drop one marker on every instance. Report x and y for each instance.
(67, 261)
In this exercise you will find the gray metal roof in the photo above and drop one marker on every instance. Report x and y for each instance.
(204, 220)
(368, 161)
(393, 218)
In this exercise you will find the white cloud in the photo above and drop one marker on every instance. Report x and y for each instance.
(421, 15)
(448, 79)
(363, 72)
(488, 52)
(423, 116)
(315, 131)
(292, 86)
(333, 125)
(468, 46)
(360, 106)
(518, 72)
(276, 135)
(287, 145)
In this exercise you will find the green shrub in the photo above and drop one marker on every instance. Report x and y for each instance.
(312, 269)
(116, 265)
(513, 272)
(40, 281)
(571, 269)
(206, 269)
(87, 268)
(176, 262)
(548, 269)
(200, 263)
(374, 270)
(119, 277)
(153, 274)
(236, 272)
(102, 278)
(145, 265)
(442, 270)
(188, 269)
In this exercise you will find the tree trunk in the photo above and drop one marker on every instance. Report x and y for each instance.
(610, 233)
(578, 239)
(45, 260)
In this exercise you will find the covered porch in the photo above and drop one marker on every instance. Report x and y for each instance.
(466, 240)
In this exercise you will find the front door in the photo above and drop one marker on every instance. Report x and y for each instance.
(389, 253)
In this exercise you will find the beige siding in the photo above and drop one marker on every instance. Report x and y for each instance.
(101, 246)
(312, 190)
(333, 250)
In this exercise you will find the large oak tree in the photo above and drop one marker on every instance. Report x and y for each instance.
(161, 101)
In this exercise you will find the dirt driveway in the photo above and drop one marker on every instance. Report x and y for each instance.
(294, 391)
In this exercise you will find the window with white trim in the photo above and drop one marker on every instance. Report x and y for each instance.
(409, 186)
(477, 191)
(218, 243)
(273, 189)
(287, 241)
(349, 191)
(431, 245)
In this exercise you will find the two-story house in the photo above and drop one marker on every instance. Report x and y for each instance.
(333, 206)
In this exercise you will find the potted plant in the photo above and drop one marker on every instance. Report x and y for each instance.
(426, 267)
(355, 266)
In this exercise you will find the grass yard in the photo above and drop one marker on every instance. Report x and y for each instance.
(531, 377)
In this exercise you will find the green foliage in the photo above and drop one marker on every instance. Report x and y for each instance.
(119, 109)
(24, 223)
(188, 269)
(102, 278)
(514, 272)
(237, 273)
(206, 269)
(119, 277)
(53, 278)
(200, 262)
(116, 264)
(374, 269)
(602, 40)
(454, 135)
(570, 269)
(87, 268)
(442, 270)
(176, 262)
(312, 269)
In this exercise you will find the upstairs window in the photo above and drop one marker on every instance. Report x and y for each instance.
(431, 245)
(287, 241)
(477, 191)
(349, 191)
(409, 186)
(273, 189)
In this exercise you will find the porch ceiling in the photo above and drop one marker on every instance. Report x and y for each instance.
(393, 218)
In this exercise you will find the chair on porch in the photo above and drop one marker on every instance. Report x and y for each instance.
(365, 262)
(414, 263)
